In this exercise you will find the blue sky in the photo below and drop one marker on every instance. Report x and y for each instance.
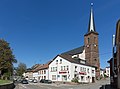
(38, 30)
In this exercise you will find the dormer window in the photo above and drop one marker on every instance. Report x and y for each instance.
(60, 61)
(56, 61)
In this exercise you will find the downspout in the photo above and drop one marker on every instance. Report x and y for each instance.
(113, 40)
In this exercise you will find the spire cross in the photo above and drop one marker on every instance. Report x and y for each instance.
(92, 4)
(91, 22)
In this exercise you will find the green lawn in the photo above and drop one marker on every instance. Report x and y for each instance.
(2, 82)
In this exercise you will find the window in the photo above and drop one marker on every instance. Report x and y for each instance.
(85, 70)
(38, 78)
(92, 71)
(81, 69)
(88, 40)
(61, 68)
(44, 71)
(44, 77)
(56, 61)
(55, 68)
(64, 68)
(75, 67)
(75, 76)
(88, 70)
(51, 69)
(67, 67)
(53, 77)
(94, 39)
(95, 59)
(40, 71)
(60, 61)
(82, 78)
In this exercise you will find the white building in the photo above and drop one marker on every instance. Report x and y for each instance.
(102, 73)
(107, 71)
(28, 74)
(35, 75)
(42, 72)
(64, 68)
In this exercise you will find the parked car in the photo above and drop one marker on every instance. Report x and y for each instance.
(34, 81)
(24, 82)
(45, 81)
(48, 81)
(42, 80)
(30, 80)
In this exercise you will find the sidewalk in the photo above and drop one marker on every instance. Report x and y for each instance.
(106, 87)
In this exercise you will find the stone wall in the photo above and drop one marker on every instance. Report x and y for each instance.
(7, 86)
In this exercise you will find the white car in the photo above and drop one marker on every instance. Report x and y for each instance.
(34, 81)
(30, 80)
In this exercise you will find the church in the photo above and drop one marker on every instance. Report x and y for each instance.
(89, 52)
(81, 63)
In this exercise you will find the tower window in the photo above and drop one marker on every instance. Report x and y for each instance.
(88, 40)
(94, 39)
(95, 59)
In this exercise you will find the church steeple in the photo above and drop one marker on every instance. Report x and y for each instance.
(91, 44)
(91, 20)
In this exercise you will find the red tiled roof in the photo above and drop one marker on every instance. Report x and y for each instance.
(43, 66)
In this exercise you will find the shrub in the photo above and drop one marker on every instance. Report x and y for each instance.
(75, 80)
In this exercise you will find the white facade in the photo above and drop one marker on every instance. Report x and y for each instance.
(28, 75)
(41, 74)
(35, 75)
(101, 72)
(107, 71)
(61, 69)
(83, 72)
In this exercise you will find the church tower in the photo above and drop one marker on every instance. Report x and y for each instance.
(91, 44)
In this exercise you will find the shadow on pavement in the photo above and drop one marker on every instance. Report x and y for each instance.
(107, 86)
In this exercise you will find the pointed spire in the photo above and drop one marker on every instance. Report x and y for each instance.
(91, 20)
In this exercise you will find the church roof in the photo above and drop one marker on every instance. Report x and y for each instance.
(72, 60)
(91, 27)
(69, 58)
(75, 51)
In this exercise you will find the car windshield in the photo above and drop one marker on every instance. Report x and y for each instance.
(24, 80)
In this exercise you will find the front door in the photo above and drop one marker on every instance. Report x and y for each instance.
(93, 79)
(64, 77)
